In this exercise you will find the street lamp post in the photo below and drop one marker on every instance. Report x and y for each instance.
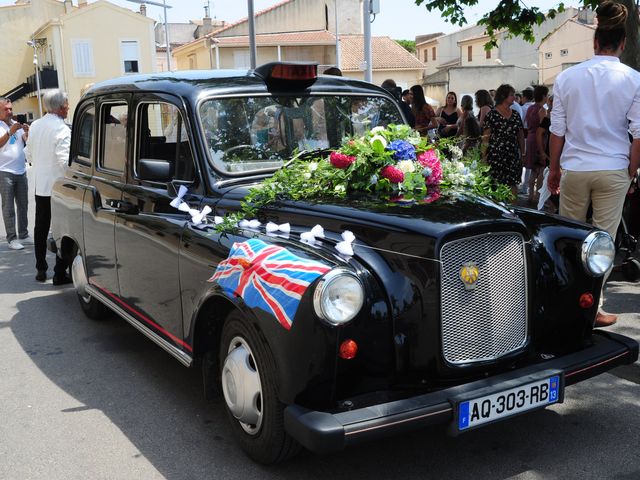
(366, 14)
(253, 54)
(166, 25)
(34, 44)
(335, 7)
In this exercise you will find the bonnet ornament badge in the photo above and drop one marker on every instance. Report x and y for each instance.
(469, 274)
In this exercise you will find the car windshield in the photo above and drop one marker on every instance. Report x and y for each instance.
(250, 134)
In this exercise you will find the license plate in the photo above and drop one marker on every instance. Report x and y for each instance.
(489, 408)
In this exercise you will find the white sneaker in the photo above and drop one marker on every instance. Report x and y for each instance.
(27, 240)
(15, 245)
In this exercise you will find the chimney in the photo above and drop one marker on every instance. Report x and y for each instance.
(143, 10)
(68, 6)
(207, 25)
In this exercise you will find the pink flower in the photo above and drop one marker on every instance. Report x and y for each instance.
(340, 160)
(432, 196)
(393, 174)
(429, 159)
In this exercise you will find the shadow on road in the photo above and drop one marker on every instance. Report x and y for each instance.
(158, 405)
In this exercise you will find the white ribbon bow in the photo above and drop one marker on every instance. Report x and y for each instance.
(310, 236)
(200, 216)
(197, 216)
(345, 247)
(176, 202)
(274, 227)
(249, 224)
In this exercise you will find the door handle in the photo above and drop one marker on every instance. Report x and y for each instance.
(122, 206)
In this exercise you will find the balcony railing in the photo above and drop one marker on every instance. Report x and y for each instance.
(48, 79)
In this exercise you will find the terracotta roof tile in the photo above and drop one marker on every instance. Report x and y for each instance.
(387, 54)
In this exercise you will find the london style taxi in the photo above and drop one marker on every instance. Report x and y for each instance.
(461, 311)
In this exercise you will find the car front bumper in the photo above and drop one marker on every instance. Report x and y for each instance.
(324, 432)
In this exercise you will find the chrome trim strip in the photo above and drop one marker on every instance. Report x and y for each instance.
(181, 356)
(398, 422)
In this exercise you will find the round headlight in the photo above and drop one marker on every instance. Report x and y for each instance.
(338, 297)
(598, 252)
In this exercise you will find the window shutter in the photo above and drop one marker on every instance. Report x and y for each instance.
(82, 53)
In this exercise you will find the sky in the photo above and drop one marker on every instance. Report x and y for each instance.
(398, 19)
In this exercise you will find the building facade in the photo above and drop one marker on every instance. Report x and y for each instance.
(76, 49)
(459, 61)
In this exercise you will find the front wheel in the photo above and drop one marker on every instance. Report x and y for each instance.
(248, 380)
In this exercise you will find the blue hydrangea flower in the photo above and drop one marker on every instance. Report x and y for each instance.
(402, 150)
(426, 172)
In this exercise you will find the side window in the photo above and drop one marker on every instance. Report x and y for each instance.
(84, 147)
(113, 132)
(163, 150)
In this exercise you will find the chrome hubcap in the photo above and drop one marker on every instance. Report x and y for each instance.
(241, 386)
(80, 278)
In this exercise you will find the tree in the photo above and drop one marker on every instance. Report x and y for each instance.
(408, 45)
(519, 20)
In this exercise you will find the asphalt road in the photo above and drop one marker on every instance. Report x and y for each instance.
(81, 399)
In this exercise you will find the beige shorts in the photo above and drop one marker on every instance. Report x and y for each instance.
(605, 190)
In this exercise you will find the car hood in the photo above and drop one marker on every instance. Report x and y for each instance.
(391, 225)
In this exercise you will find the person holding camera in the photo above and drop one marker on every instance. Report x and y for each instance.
(13, 177)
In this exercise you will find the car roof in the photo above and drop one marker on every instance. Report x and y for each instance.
(193, 84)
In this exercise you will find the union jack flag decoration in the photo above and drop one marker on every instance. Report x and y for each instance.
(268, 277)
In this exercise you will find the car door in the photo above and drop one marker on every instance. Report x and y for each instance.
(148, 229)
(103, 197)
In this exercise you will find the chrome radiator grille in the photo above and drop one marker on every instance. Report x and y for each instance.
(488, 320)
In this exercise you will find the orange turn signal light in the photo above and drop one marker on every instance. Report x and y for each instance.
(586, 300)
(348, 349)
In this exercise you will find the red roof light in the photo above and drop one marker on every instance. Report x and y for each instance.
(296, 72)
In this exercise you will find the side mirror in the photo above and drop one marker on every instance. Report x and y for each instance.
(155, 170)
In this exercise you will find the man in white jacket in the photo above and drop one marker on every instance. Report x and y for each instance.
(48, 152)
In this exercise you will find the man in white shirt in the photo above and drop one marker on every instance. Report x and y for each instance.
(596, 104)
(48, 152)
(13, 177)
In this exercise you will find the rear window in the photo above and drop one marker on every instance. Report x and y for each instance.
(250, 134)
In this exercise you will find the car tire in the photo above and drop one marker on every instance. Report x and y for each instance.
(631, 270)
(93, 308)
(248, 383)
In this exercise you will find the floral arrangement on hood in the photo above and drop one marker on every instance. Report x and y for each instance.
(394, 160)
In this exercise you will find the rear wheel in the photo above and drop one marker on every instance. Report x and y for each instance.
(91, 307)
(248, 379)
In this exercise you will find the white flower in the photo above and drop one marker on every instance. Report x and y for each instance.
(307, 176)
(313, 166)
(378, 138)
(456, 152)
(340, 189)
(375, 130)
(459, 166)
(407, 166)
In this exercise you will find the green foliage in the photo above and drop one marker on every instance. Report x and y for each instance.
(365, 158)
(408, 45)
(511, 15)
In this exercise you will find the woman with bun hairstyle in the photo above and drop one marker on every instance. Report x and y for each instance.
(595, 104)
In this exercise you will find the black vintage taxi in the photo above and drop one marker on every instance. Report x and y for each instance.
(462, 311)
